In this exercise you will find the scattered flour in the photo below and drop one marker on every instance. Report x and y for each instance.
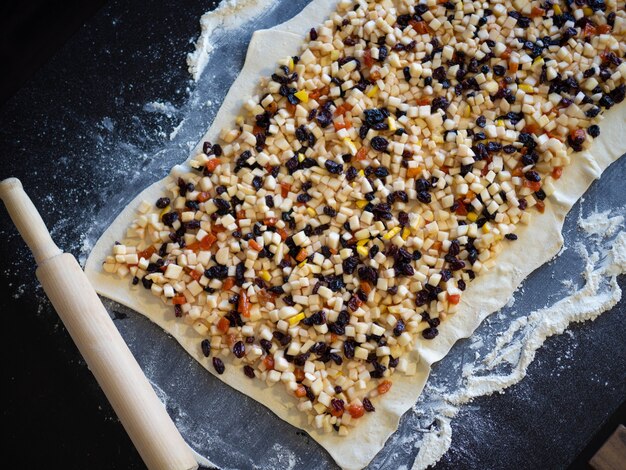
(174, 132)
(230, 14)
(165, 108)
(600, 224)
(515, 349)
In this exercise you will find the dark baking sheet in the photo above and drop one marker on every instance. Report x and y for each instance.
(84, 138)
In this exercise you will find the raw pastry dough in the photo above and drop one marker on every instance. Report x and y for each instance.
(534, 248)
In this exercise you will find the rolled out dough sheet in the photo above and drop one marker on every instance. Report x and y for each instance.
(537, 244)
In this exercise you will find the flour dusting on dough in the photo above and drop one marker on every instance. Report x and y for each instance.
(507, 363)
(230, 14)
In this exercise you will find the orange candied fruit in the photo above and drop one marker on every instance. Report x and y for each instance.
(557, 172)
(223, 325)
(356, 410)
(384, 387)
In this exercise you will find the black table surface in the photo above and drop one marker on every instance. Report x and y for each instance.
(56, 136)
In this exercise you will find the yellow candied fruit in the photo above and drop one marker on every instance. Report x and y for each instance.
(240, 121)
(265, 276)
(526, 88)
(486, 228)
(500, 122)
(164, 211)
(468, 111)
(361, 204)
(334, 54)
(557, 10)
(405, 233)
(311, 211)
(296, 319)
(301, 264)
(361, 173)
(372, 91)
(301, 157)
(363, 251)
(392, 124)
(538, 60)
(587, 11)
(302, 95)
(362, 242)
(472, 217)
(291, 64)
(391, 233)
(350, 144)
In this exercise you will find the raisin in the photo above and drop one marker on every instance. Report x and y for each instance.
(239, 349)
(249, 371)
(206, 347)
(218, 365)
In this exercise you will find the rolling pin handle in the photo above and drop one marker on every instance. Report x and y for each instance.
(27, 220)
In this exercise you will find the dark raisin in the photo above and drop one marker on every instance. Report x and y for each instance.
(348, 349)
(379, 143)
(440, 102)
(206, 347)
(147, 283)
(249, 371)
(169, 218)
(424, 196)
(334, 167)
(217, 272)
(430, 333)
(499, 70)
(218, 365)
(178, 311)
(337, 405)
(266, 345)
(163, 202)
(382, 53)
(510, 236)
(593, 131)
(533, 176)
(239, 349)
(399, 328)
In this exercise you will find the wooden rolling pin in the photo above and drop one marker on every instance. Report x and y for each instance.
(139, 409)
